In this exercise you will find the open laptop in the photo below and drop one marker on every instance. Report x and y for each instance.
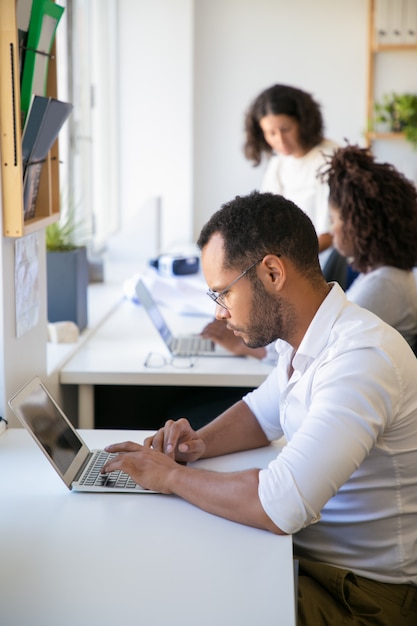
(184, 345)
(77, 465)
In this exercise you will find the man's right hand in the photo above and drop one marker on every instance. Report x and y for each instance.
(177, 440)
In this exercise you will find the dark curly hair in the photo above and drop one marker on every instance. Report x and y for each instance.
(378, 207)
(258, 224)
(282, 100)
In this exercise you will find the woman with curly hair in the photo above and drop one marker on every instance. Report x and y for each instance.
(373, 211)
(285, 125)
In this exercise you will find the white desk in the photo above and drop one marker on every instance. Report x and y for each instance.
(115, 355)
(76, 558)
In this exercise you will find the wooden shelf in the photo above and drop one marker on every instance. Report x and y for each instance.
(47, 204)
(374, 48)
(393, 47)
(385, 136)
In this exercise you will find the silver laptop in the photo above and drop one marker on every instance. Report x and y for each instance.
(77, 465)
(179, 345)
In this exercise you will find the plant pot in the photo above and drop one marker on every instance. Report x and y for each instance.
(67, 282)
(397, 125)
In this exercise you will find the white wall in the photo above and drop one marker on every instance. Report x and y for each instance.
(244, 46)
(155, 81)
(24, 356)
(188, 71)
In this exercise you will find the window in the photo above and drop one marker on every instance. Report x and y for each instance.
(89, 151)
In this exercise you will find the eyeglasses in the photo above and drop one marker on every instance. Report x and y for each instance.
(219, 297)
(154, 360)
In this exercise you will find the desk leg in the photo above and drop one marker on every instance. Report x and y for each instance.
(86, 406)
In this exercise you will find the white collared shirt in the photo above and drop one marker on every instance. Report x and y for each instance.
(346, 482)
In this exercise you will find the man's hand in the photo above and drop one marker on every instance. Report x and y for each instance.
(149, 468)
(178, 441)
(218, 332)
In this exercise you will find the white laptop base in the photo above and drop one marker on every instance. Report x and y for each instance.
(182, 345)
(77, 465)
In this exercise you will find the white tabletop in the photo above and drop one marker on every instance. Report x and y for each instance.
(116, 353)
(75, 558)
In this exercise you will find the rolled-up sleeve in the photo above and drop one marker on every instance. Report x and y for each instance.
(332, 417)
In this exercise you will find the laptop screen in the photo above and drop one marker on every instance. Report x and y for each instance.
(154, 313)
(51, 429)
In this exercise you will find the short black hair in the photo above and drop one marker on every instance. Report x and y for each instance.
(258, 224)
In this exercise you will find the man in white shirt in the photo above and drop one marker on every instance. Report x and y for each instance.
(343, 393)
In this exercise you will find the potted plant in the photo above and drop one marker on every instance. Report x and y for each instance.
(67, 272)
(399, 111)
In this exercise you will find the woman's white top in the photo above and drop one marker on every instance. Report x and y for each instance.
(296, 179)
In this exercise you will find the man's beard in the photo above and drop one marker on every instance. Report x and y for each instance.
(270, 318)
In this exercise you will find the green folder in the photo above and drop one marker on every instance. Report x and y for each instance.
(44, 19)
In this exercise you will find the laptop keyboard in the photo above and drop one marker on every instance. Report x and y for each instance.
(93, 478)
(189, 346)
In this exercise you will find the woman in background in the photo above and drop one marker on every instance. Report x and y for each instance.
(373, 211)
(285, 125)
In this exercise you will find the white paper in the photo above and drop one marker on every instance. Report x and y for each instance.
(27, 283)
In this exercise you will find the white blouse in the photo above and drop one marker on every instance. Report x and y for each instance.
(296, 179)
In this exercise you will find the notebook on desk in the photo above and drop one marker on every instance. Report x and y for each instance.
(191, 344)
(77, 465)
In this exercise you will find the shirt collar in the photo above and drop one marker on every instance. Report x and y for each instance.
(317, 334)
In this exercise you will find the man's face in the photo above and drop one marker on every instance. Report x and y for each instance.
(252, 313)
(266, 319)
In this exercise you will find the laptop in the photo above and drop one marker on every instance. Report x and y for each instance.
(77, 465)
(184, 345)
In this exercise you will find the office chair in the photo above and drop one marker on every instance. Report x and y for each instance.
(336, 269)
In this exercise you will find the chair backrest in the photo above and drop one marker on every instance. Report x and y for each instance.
(336, 269)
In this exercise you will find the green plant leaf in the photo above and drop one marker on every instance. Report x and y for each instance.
(61, 234)
(399, 111)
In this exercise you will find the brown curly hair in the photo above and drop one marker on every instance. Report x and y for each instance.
(282, 100)
(378, 208)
